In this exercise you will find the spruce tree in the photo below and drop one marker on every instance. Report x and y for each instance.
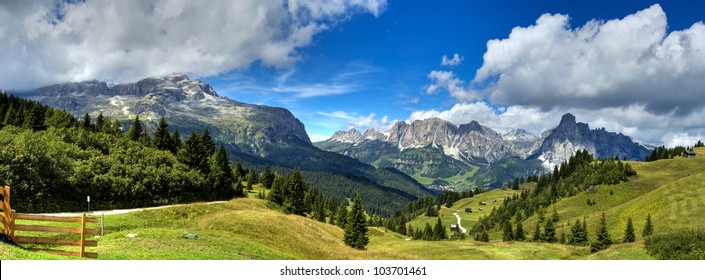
(190, 153)
(428, 232)
(175, 143)
(648, 227)
(100, 122)
(267, 177)
(537, 233)
(410, 231)
(549, 232)
(485, 236)
(294, 201)
(439, 232)
(251, 179)
(356, 228)
(222, 174)
(135, 131)
(508, 234)
(86, 122)
(162, 139)
(240, 172)
(519, 232)
(603, 240)
(629, 232)
(276, 194)
(554, 216)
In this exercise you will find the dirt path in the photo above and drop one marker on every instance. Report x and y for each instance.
(460, 226)
(119, 211)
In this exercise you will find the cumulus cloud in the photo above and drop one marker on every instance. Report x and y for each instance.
(616, 63)
(449, 81)
(48, 41)
(455, 61)
(628, 75)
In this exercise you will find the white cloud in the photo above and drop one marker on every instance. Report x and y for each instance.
(455, 61)
(45, 42)
(614, 63)
(448, 81)
(361, 123)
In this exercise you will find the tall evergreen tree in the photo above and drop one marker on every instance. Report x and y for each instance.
(86, 122)
(162, 139)
(251, 178)
(190, 154)
(549, 232)
(629, 235)
(356, 229)
(297, 190)
(537, 233)
(276, 194)
(240, 172)
(439, 232)
(342, 217)
(603, 240)
(175, 143)
(648, 227)
(519, 232)
(267, 177)
(100, 122)
(135, 131)
(207, 145)
(508, 234)
(222, 174)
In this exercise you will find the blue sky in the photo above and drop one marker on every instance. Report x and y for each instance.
(630, 66)
(380, 65)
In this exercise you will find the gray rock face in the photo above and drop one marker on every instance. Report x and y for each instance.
(520, 141)
(466, 142)
(558, 144)
(187, 104)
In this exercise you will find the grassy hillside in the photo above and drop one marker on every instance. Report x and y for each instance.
(673, 191)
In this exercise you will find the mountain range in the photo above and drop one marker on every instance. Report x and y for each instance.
(437, 149)
(433, 151)
(252, 134)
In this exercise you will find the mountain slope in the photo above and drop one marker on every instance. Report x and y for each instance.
(254, 134)
(558, 144)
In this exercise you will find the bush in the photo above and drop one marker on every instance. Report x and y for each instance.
(684, 245)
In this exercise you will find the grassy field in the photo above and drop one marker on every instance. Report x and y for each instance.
(460, 180)
(673, 191)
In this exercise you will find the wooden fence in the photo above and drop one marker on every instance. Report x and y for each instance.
(10, 226)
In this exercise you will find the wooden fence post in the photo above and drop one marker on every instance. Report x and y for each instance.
(13, 214)
(83, 235)
(6, 210)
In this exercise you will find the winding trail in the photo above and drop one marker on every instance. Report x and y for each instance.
(460, 226)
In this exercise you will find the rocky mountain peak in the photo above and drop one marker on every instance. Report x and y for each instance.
(372, 134)
(567, 120)
(350, 136)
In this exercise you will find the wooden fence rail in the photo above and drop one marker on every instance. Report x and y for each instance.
(9, 227)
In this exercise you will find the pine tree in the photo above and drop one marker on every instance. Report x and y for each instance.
(222, 174)
(267, 177)
(648, 227)
(175, 143)
(342, 218)
(251, 179)
(537, 233)
(240, 172)
(276, 194)
(135, 131)
(485, 236)
(431, 211)
(86, 122)
(100, 122)
(190, 153)
(603, 236)
(439, 232)
(549, 232)
(519, 232)
(629, 232)
(356, 229)
(162, 139)
(428, 232)
(294, 202)
(508, 234)
(410, 231)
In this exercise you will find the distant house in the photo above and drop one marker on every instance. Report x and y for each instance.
(453, 227)
(469, 210)
(689, 154)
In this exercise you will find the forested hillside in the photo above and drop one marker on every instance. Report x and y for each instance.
(53, 161)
